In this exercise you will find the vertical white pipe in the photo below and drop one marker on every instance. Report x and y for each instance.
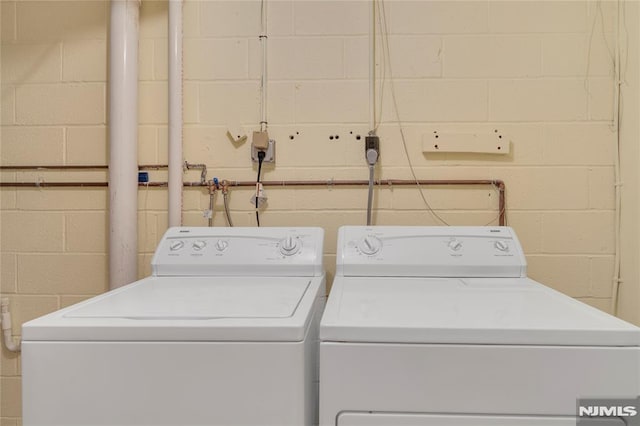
(263, 80)
(175, 112)
(123, 142)
(372, 68)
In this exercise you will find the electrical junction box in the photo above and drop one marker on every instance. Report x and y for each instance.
(476, 143)
(260, 140)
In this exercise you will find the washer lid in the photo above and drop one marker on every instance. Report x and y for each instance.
(466, 311)
(187, 309)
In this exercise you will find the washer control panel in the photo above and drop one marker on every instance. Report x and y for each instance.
(239, 251)
(429, 252)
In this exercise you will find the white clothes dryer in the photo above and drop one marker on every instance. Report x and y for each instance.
(224, 332)
(440, 326)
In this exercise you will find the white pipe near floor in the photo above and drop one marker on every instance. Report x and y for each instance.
(175, 113)
(11, 343)
(123, 142)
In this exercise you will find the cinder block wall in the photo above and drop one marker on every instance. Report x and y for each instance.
(540, 72)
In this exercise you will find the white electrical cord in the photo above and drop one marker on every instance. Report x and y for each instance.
(12, 344)
(501, 211)
(386, 52)
(616, 167)
(615, 127)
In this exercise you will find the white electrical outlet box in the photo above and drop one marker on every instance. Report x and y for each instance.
(475, 143)
(270, 152)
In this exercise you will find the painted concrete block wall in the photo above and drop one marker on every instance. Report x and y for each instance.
(540, 72)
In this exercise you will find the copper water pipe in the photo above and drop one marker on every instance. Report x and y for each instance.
(79, 167)
(499, 184)
(53, 184)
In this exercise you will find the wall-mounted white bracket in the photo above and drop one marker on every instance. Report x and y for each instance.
(477, 143)
(235, 134)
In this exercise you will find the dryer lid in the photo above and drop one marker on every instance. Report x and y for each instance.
(466, 311)
(187, 308)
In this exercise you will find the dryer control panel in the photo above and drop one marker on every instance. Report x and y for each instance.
(193, 251)
(429, 251)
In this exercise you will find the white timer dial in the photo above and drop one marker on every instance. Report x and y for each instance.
(290, 245)
(370, 245)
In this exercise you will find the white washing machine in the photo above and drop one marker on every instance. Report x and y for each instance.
(440, 326)
(225, 332)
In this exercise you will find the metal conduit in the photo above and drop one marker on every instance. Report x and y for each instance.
(497, 183)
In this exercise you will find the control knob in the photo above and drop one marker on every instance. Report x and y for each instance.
(176, 245)
(199, 245)
(289, 246)
(370, 245)
(221, 245)
(455, 245)
(501, 245)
